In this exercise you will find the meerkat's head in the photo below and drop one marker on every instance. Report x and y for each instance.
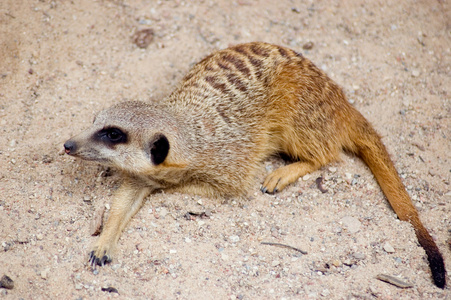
(132, 136)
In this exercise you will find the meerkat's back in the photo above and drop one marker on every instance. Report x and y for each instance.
(257, 99)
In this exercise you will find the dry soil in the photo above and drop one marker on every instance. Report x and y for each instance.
(62, 61)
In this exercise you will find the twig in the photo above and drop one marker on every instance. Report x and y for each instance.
(284, 246)
(393, 280)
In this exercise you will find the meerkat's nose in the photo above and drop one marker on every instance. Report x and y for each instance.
(69, 147)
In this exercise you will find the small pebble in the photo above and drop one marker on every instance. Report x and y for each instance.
(352, 224)
(163, 212)
(22, 237)
(347, 262)
(275, 263)
(359, 256)
(143, 38)
(306, 177)
(234, 239)
(6, 282)
(415, 73)
(308, 46)
(45, 273)
(336, 263)
(388, 248)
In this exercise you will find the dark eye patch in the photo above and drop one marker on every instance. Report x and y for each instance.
(159, 149)
(112, 136)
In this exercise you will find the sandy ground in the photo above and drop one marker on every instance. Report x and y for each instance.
(62, 61)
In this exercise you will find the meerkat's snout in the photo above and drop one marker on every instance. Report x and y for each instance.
(70, 147)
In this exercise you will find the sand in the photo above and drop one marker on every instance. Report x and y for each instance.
(62, 61)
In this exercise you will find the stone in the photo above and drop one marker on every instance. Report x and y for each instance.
(234, 239)
(352, 224)
(388, 248)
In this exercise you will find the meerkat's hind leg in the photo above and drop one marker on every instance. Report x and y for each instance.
(127, 201)
(283, 176)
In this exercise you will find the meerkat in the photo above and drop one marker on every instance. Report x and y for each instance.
(230, 112)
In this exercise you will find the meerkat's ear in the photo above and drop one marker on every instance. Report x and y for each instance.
(158, 149)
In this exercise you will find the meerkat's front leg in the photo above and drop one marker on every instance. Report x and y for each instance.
(127, 201)
(283, 176)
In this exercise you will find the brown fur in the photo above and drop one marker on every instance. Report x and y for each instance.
(232, 110)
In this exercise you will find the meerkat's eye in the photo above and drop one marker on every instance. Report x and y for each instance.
(112, 136)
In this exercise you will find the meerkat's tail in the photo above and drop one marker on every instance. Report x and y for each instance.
(368, 145)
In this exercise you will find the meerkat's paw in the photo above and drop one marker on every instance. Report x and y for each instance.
(280, 178)
(100, 256)
(277, 181)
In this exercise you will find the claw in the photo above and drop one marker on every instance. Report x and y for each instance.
(273, 188)
(96, 261)
(91, 258)
(105, 260)
(265, 190)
